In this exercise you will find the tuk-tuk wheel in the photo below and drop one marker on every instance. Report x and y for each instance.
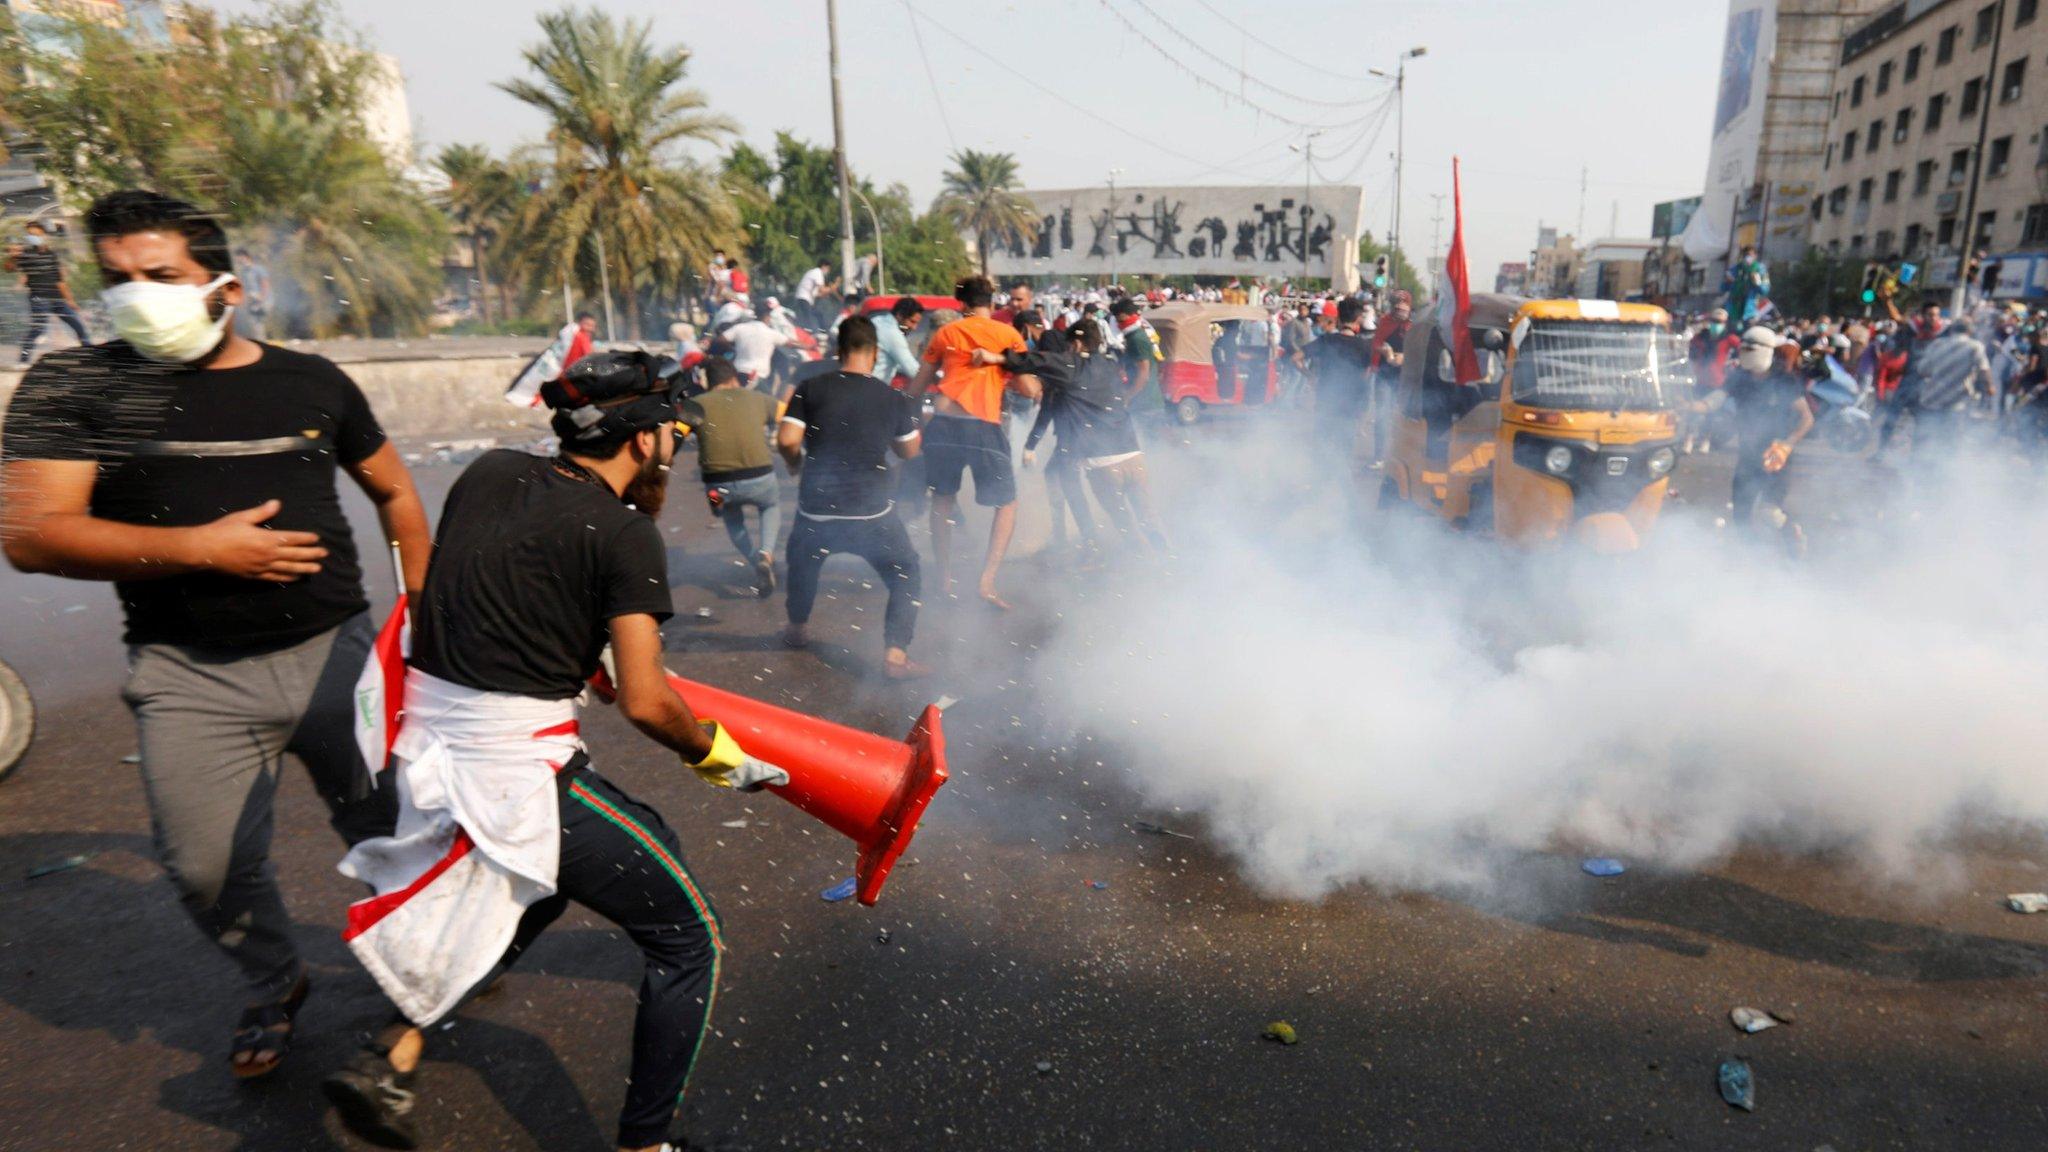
(1187, 410)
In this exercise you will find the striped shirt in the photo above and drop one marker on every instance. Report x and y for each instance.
(1939, 371)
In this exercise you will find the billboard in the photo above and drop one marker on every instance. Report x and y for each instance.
(1270, 232)
(1669, 218)
(1746, 50)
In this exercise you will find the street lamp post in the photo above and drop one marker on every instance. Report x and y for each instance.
(881, 261)
(839, 147)
(1113, 245)
(1307, 148)
(1400, 140)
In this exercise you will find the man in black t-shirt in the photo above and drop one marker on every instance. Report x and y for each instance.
(848, 423)
(537, 564)
(1341, 362)
(42, 274)
(195, 469)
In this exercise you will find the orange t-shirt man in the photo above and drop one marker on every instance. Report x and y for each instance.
(977, 391)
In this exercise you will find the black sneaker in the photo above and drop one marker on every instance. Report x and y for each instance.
(375, 1099)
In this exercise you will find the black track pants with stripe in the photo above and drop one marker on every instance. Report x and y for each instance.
(621, 861)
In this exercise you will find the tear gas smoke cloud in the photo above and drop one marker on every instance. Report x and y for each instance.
(1417, 712)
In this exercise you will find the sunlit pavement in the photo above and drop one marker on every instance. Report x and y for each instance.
(1050, 977)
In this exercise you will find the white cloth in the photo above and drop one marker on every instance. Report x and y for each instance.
(525, 389)
(478, 840)
(753, 346)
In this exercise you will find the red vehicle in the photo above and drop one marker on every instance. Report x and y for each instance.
(1215, 355)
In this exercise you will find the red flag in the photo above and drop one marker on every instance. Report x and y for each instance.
(380, 690)
(1454, 310)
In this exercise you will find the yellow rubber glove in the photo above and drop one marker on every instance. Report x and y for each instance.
(727, 766)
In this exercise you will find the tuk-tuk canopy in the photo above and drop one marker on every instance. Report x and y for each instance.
(1183, 327)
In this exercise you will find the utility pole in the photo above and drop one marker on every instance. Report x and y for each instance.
(1436, 223)
(1580, 237)
(1308, 164)
(839, 149)
(1960, 297)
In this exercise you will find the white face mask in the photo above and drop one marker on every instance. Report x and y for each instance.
(167, 322)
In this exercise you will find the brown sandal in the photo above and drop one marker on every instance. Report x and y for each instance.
(265, 1033)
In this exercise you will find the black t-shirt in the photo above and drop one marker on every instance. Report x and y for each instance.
(1763, 407)
(1340, 360)
(531, 563)
(849, 422)
(44, 274)
(178, 447)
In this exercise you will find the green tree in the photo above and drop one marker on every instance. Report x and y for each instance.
(981, 197)
(483, 196)
(259, 118)
(617, 194)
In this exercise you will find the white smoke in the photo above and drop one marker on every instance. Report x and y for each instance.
(1416, 711)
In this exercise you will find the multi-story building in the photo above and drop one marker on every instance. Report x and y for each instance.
(1612, 269)
(1936, 140)
(1553, 265)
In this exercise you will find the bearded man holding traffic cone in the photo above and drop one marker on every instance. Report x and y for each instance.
(538, 563)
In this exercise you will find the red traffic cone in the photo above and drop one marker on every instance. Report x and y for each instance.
(870, 788)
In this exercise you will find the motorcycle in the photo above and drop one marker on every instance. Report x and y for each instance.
(1843, 409)
(17, 720)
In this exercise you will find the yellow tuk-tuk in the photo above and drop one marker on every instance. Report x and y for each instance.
(1570, 432)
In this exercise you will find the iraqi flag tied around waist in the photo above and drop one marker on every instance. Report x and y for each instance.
(380, 690)
(1454, 308)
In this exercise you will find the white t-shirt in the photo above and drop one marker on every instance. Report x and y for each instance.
(807, 287)
(753, 346)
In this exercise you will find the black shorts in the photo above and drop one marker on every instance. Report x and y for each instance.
(956, 444)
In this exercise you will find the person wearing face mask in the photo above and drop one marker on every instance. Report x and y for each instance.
(195, 469)
(49, 293)
(1770, 417)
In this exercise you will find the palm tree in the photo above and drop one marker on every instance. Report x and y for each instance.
(351, 247)
(981, 197)
(616, 191)
(482, 195)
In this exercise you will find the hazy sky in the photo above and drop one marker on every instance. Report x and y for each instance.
(1524, 92)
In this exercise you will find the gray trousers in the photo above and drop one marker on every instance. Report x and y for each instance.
(215, 727)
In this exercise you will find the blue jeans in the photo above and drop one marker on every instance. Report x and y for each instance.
(40, 309)
(764, 495)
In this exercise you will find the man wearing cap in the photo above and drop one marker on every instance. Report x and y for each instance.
(1770, 418)
(539, 563)
(195, 469)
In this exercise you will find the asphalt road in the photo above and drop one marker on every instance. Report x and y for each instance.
(1425, 1023)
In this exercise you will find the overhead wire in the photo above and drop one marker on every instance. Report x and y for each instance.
(1053, 94)
(1175, 31)
(918, 36)
(1278, 51)
(1220, 89)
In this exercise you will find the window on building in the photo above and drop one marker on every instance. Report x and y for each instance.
(1900, 124)
(1913, 237)
(1827, 159)
(2034, 229)
(1876, 134)
(2001, 155)
(2041, 157)
(1923, 177)
(1849, 147)
(1945, 47)
(1958, 166)
(1945, 231)
(1838, 201)
(1884, 78)
(1972, 93)
(1856, 242)
(1882, 244)
(1987, 23)
(1856, 93)
(1935, 104)
(2024, 12)
(1986, 221)
(2015, 79)
(1819, 202)
(1892, 180)
(1863, 189)
(1913, 55)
